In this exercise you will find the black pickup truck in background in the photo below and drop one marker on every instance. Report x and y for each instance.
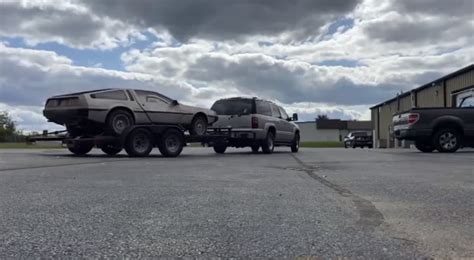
(443, 129)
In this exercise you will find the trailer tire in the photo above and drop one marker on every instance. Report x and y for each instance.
(139, 143)
(81, 149)
(110, 150)
(172, 143)
(255, 148)
(220, 148)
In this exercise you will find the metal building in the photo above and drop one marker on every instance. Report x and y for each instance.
(332, 130)
(443, 92)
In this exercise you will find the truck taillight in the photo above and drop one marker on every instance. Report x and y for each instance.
(254, 122)
(413, 118)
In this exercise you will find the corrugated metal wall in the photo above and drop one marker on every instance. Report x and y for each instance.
(309, 133)
(430, 97)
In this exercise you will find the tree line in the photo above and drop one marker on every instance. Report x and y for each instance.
(8, 129)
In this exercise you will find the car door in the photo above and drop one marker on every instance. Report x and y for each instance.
(157, 108)
(287, 126)
(281, 135)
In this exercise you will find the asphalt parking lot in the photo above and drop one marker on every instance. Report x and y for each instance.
(319, 202)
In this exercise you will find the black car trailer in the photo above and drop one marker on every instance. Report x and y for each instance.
(138, 140)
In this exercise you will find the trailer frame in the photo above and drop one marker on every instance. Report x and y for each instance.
(170, 140)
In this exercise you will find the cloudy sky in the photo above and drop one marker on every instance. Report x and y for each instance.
(334, 57)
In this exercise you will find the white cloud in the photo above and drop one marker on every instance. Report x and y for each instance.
(380, 48)
(65, 22)
(28, 118)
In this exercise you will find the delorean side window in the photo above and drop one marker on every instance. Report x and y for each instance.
(114, 95)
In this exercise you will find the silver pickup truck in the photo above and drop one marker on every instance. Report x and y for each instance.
(255, 123)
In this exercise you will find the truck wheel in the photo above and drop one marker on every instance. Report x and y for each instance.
(255, 148)
(220, 148)
(424, 147)
(110, 150)
(81, 148)
(296, 144)
(198, 126)
(269, 143)
(447, 140)
(172, 143)
(139, 143)
(119, 120)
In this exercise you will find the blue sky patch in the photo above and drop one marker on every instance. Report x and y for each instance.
(345, 23)
(107, 59)
(341, 63)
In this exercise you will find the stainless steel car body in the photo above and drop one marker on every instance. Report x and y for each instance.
(147, 107)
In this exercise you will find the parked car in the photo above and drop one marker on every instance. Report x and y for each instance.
(256, 123)
(358, 139)
(443, 129)
(113, 110)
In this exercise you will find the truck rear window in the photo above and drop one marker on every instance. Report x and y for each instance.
(233, 107)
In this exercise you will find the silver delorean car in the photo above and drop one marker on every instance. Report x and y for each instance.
(113, 110)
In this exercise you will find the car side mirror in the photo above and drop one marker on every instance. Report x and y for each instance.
(174, 103)
(295, 117)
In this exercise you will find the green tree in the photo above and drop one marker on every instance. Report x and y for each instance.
(7, 126)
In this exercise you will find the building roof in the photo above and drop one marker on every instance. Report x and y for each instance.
(451, 75)
(359, 125)
(343, 124)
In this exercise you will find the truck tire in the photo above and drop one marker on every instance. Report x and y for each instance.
(447, 140)
(219, 148)
(118, 120)
(296, 143)
(110, 150)
(424, 146)
(198, 126)
(269, 144)
(81, 148)
(172, 143)
(139, 143)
